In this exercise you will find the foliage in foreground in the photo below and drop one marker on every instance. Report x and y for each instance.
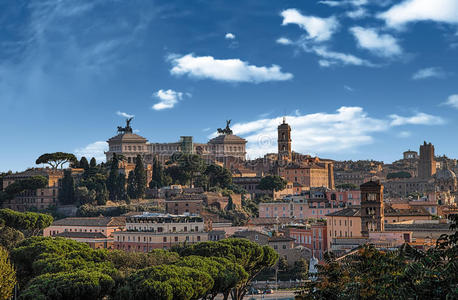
(404, 274)
(58, 268)
(7, 276)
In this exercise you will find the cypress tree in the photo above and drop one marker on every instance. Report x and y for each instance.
(102, 193)
(84, 163)
(157, 180)
(67, 190)
(131, 188)
(93, 163)
(121, 187)
(112, 179)
(139, 178)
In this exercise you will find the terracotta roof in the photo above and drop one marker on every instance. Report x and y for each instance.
(92, 221)
(347, 212)
(280, 239)
(83, 235)
(417, 227)
(388, 212)
(417, 211)
(270, 221)
(245, 233)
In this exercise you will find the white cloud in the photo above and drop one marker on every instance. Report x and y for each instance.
(229, 36)
(358, 13)
(344, 130)
(325, 63)
(284, 41)
(344, 2)
(328, 57)
(379, 44)
(421, 10)
(232, 70)
(123, 114)
(417, 119)
(348, 88)
(318, 29)
(332, 57)
(432, 72)
(167, 99)
(95, 150)
(452, 101)
(404, 134)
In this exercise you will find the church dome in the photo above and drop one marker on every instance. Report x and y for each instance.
(445, 174)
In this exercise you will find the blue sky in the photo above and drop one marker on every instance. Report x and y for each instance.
(356, 79)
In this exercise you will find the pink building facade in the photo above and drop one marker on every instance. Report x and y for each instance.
(313, 237)
(313, 204)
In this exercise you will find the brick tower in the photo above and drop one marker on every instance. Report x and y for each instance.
(372, 214)
(426, 163)
(284, 141)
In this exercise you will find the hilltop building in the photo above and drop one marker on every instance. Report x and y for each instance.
(39, 198)
(224, 149)
(97, 232)
(149, 231)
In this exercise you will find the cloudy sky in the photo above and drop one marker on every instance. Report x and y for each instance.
(356, 79)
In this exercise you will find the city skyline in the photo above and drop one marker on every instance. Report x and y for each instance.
(355, 79)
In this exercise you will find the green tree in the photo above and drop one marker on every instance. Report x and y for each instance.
(121, 186)
(187, 167)
(85, 196)
(407, 273)
(218, 176)
(300, 269)
(9, 237)
(272, 183)
(230, 204)
(67, 189)
(40, 255)
(139, 178)
(56, 159)
(81, 284)
(30, 223)
(226, 274)
(166, 282)
(131, 192)
(84, 163)
(101, 193)
(31, 183)
(251, 256)
(93, 163)
(129, 262)
(7, 276)
(116, 181)
(157, 180)
(177, 175)
(283, 264)
(112, 178)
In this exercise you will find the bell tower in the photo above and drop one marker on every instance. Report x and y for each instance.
(372, 210)
(284, 141)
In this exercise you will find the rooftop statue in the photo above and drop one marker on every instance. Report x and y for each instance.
(126, 129)
(226, 130)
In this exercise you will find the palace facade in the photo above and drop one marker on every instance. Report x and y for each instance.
(223, 149)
